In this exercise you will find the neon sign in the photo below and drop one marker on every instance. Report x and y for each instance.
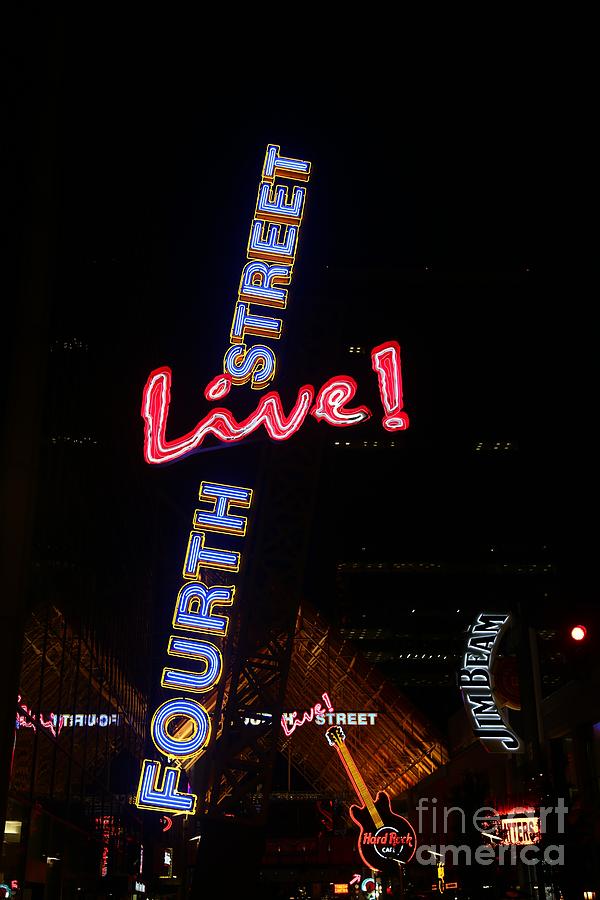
(346, 718)
(28, 719)
(384, 835)
(55, 723)
(475, 683)
(264, 282)
(89, 720)
(330, 405)
(520, 829)
(106, 826)
(198, 611)
(292, 720)
(271, 252)
(519, 826)
(323, 718)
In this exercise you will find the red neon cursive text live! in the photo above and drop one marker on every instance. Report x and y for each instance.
(329, 406)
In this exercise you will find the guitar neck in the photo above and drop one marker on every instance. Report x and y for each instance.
(356, 779)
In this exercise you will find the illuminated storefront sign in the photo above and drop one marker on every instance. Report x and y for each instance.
(519, 826)
(89, 720)
(328, 405)
(520, 829)
(443, 886)
(290, 721)
(476, 685)
(198, 611)
(271, 252)
(106, 826)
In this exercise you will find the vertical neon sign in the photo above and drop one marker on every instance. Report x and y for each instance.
(198, 611)
(475, 681)
(271, 252)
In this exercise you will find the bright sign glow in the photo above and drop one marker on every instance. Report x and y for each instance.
(328, 718)
(519, 826)
(55, 722)
(197, 610)
(271, 252)
(475, 683)
(520, 829)
(328, 405)
(347, 718)
(290, 721)
(26, 718)
(106, 825)
(264, 282)
(386, 363)
(384, 835)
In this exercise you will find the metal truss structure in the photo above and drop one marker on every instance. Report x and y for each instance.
(69, 687)
(239, 765)
(242, 757)
(393, 754)
(272, 641)
(279, 659)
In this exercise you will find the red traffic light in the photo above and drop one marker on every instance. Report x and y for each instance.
(578, 632)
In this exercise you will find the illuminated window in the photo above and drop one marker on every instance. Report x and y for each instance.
(12, 832)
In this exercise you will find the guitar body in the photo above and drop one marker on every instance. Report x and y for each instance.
(385, 837)
(393, 841)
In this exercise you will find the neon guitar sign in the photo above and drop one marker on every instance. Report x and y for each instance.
(384, 835)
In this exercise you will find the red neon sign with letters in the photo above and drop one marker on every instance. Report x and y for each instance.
(329, 406)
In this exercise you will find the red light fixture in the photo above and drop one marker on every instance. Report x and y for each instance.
(578, 632)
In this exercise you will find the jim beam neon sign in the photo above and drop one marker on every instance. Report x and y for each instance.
(475, 681)
(264, 282)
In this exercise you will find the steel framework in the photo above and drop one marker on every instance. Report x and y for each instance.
(395, 753)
